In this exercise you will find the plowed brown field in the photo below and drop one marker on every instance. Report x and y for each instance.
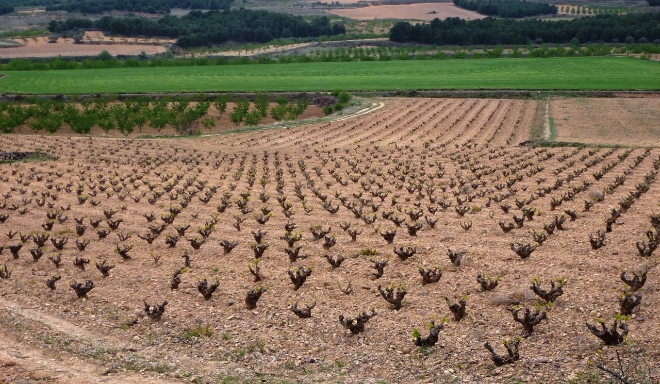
(42, 48)
(620, 121)
(421, 11)
(439, 173)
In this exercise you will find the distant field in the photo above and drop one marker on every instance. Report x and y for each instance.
(422, 11)
(66, 48)
(588, 73)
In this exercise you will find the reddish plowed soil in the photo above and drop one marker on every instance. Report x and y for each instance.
(421, 11)
(622, 121)
(42, 48)
(410, 158)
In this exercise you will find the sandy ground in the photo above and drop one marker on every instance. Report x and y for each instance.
(67, 48)
(623, 121)
(451, 149)
(422, 11)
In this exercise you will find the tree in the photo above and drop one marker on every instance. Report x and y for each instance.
(105, 121)
(202, 108)
(240, 110)
(50, 123)
(140, 119)
(220, 103)
(5, 9)
(261, 103)
(208, 123)
(158, 116)
(253, 118)
(123, 117)
(37, 123)
(184, 122)
(69, 113)
(7, 124)
(82, 123)
(53, 123)
(183, 116)
(16, 117)
(297, 109)
(278, 112)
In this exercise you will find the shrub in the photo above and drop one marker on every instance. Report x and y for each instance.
(344, 97)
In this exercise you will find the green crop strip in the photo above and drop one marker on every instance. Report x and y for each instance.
(581, 73)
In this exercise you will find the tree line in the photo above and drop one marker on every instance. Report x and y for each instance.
(507, 8)
(185, 115)
(5, 9)
(199, 28)
(100, 6)
(635, 27)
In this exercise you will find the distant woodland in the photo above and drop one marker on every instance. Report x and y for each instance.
(630, 28)
(507, 8)
(100, 6)
(207, 28)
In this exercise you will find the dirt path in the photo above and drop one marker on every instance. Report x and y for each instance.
(21, 358)
(372, 108)
(19, 361)
(546, 121)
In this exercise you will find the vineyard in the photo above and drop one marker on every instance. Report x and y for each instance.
(416, 243)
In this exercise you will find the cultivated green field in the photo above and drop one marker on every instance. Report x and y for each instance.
(587, 73)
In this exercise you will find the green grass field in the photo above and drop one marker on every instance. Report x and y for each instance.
(588, 73)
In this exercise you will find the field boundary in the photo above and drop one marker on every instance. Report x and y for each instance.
(509, 93)
(433, 94)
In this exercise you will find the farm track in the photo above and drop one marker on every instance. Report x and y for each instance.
(22, 325)
(404, 162)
